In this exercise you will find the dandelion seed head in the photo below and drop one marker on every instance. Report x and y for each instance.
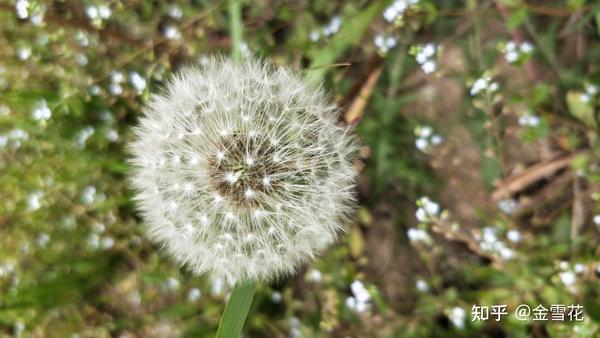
(265, 186)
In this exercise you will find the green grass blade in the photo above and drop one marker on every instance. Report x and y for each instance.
(236, 310)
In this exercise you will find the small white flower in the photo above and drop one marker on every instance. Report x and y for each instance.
(88, 195)
(33, 200)
(484, 83)
(276, 297)
(421, 215)
(422, 285)
(171, 32)
(591, 89)
(194, 294)
(314, 36)
(424, 131)
(43, 239)
(22, 9)
(579, 268)
(507, 206)
(115, 89)
(138, 82)
(526, 47)
(512, 56)
(41, 112)
(104, 11)
(429, 67)
(514, 236)
(418, 235)
(360, 299)
(172, 284)
(315, 276)
(231, 224)
(585, 97)
(175, 12)
(333, 26)
(107, 243)
(421, 144)
(597, 219)
(568, 278)
(436, 140)
(91, 12)
(457, 316)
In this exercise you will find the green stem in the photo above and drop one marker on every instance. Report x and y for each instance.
(236, 310)
(235, 27)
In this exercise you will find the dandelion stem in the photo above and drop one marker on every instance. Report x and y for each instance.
(235, 27)
(236, 310)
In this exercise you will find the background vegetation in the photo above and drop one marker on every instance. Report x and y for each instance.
(488, 108)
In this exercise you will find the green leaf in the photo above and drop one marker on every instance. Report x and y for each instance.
(236, 310)
(516, 19)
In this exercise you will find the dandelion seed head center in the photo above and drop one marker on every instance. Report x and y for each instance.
(239, 177)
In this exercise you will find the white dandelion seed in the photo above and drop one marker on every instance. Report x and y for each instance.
(272, 173)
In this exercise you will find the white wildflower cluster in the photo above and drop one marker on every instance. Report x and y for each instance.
(514, 51)
(116, 78)
(484, 84)
(194, 295)
(295, 331)
(514, 235)
(395, 11)
(98, 13)
(34, 200)
(422, 285)
(172, 284)
(507, 205)
(314, 276)
(7, 268)
(591, 90)
(529, 120)
(417, 235)
(14, 138)
(110, 133)
(138, 82)
(360, 301)
(82, 38)
(276, 297)
(426, 138)
(489, 241)
(96, 241)
(384, 43)
(568, 275)
(22, 9)
(428, 210)
(425, 55)
(245, 49)
(88, 195)
(82, 136)
(596, 220)
(242, 170)
(42, 240)
(41, 111)
(457, 316)
(330, 29)
(216, 287)
(175, 12)
(25, 10)
(171, 32)
(23, 52)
